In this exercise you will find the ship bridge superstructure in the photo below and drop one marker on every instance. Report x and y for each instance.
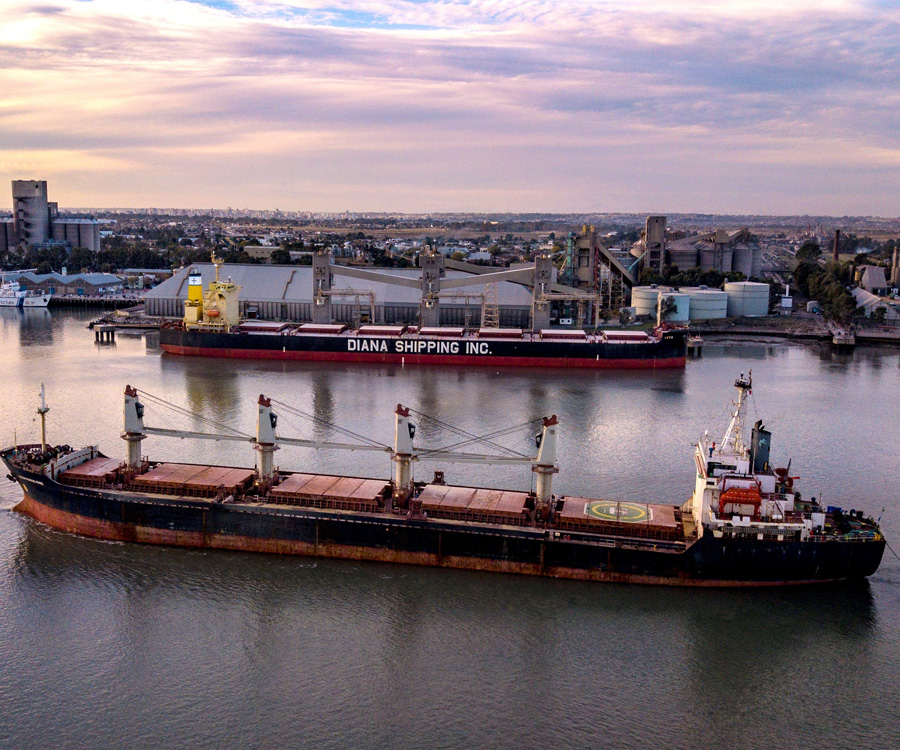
(737, 492)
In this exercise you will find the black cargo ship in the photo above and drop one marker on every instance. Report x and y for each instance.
(744, 524)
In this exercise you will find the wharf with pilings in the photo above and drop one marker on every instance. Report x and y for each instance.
(113, 301)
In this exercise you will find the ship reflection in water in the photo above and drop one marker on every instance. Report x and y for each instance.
(35, 325)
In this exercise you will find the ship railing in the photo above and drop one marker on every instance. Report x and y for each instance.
(865, 536)
(791, 535)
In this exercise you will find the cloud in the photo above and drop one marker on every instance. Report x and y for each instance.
(392, 105)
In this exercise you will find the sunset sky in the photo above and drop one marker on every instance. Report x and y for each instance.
(455, 105)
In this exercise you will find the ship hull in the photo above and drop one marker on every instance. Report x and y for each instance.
(133, 517)
(23, 302)
(670, 351)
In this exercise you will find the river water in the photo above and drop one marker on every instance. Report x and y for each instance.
(117, 645)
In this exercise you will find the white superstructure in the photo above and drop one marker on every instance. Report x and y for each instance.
(12, 296)
(736, 493)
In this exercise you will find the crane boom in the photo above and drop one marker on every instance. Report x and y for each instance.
(402, 453)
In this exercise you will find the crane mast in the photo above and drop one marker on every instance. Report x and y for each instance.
(403, 452)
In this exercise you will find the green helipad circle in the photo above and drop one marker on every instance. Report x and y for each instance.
(612, 511)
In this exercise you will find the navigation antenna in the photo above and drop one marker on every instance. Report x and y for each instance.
(42, 411)
(217, 263)
(734, 435)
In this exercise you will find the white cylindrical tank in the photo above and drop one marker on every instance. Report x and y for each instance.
(708, 304)
(742, 260)
(747, 299)
(682, 311)
(645, 298)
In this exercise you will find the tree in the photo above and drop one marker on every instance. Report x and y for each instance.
(667, 306)
(281, 257)
(809, 251)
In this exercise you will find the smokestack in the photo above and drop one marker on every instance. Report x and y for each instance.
(837, 245)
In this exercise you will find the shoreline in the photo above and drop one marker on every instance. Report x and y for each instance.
(800, 331)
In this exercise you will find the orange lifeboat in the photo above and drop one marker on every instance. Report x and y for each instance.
(213, 313)
(743, 501)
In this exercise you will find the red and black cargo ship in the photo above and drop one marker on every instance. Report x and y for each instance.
(212, 327)
(663, 347)
(744, 524)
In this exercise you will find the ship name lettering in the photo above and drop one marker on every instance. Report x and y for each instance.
(426, 347)
(477, 347)
(366, 345)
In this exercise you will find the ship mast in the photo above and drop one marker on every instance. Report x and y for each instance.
(733, 442)
(42, 411)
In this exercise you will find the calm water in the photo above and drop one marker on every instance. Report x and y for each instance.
(111, 645)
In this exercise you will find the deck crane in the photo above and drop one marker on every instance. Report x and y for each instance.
(403, 452)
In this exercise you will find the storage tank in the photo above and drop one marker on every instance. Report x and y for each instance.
(747, 299)
(72, 233)
(727, 258)
(708, 304)
(707, 257)
(645, 298)
(682, 311)
(756, 265)
(742, 260)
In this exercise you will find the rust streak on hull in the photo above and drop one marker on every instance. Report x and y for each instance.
(121, 532)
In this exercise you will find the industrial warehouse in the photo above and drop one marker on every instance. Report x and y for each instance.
(286, 293)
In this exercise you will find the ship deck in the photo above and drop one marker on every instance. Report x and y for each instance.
(447, 333)
(461, 505)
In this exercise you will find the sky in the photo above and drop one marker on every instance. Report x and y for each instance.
(455, 105)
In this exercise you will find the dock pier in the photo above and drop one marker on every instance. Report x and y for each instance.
(105, 334)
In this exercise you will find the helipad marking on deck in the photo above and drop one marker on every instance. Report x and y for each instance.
(606, 510)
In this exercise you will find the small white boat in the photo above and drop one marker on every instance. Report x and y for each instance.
(11, 295)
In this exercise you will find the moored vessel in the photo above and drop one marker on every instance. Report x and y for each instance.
(212, 326)
(743, 525)
(11, 295)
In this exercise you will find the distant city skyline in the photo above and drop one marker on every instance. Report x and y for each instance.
(550, 106)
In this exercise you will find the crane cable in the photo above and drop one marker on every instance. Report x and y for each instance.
(325, 423)
(188, 413)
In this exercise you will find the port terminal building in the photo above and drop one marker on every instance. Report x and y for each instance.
(79, 284)
(286, 293)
